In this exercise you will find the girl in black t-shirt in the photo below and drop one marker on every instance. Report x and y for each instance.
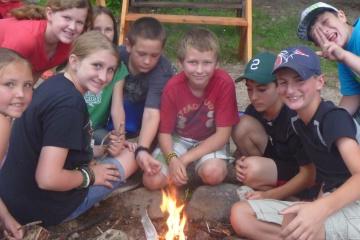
(50, 158)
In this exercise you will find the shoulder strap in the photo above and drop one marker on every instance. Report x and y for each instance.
(326, 107)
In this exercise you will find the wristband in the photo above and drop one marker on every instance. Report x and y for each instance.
(90, 173)
(139, 149)
(169, 156)
(86, 178)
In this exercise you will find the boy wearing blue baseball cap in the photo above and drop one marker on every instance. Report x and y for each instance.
(329, 137)
(273, 162)
(328, 28)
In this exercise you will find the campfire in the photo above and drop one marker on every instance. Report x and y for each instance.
(176, 219)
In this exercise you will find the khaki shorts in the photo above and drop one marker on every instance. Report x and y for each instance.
(181, 145)
(342, 225)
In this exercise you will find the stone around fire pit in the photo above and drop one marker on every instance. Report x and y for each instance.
(212, 202)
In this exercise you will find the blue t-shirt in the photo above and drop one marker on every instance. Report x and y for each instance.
(350, 81)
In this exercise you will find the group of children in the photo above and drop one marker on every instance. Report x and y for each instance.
(69, 148)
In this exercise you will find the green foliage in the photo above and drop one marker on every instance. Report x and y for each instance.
(115, 6)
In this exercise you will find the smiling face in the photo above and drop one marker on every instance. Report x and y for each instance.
(198, 67)
(334, 26)
(16, 88)
(262, 96)
(104, 24)
(93, 72)
(65, 26)
(143, 55)
(299, 95)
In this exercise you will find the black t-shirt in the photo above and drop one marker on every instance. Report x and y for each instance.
(57, 116)
(146, 87)
(319, 136)
(285, 145)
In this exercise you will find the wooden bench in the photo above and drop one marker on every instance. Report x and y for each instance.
(243, 20)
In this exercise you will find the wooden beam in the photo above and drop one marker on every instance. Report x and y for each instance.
(190, 19)
(123, 22)
(168, 4)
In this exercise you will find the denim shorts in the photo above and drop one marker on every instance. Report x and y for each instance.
(97, 193)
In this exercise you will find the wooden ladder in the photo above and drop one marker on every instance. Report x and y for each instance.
(244, 22)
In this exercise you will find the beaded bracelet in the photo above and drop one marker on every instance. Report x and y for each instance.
(170, 156)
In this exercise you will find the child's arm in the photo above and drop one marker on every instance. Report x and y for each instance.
(5, 128)
(310, 217)
(211, 144)
(51, 175)
(332, 51)
(117, 106)
(304, 179)
(149, 128)
(177, 169)
(11, 226)
(350, 103)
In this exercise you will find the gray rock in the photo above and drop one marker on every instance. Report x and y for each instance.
(140, 199)
(212, 202)
(112, 234)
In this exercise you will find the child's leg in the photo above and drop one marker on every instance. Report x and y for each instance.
(260, 173)
(245, 223)
(212, 168)
(250, 136)
(96, 193)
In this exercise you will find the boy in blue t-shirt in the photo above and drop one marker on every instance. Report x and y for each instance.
(327, 27)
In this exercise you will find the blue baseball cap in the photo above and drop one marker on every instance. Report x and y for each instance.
(301, 59)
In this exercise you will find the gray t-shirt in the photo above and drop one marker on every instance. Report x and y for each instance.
(146, 87)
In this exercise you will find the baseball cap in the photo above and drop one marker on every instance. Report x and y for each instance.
(308, 15)
(301, 59)
(259, 69)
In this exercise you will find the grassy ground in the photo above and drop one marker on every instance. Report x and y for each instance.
(272, 31)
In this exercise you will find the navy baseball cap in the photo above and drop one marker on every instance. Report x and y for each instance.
(301, 59)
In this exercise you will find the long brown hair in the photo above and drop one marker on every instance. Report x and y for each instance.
(32, 11)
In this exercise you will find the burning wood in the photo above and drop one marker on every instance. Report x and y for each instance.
(176, 220)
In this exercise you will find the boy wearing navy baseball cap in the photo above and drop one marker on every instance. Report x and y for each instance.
(328, 28)
(272, 161)
(329, 137)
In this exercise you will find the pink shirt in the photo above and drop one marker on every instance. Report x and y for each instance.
(189, 116)
(27, 37)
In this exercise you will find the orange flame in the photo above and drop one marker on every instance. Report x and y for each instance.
(175, 222)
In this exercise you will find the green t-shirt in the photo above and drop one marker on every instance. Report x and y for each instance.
(99, 105)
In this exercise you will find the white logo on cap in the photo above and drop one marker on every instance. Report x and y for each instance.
(255, 64)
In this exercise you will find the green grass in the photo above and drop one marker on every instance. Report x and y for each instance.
(270, 33)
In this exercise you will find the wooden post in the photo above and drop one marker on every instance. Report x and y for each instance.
(245, 43)
(101, 3)
(123, 22)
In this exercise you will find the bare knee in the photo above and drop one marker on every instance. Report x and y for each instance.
(260, 173)
(241, 212)
(249, 136)
(154, 182)
(214, 172)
